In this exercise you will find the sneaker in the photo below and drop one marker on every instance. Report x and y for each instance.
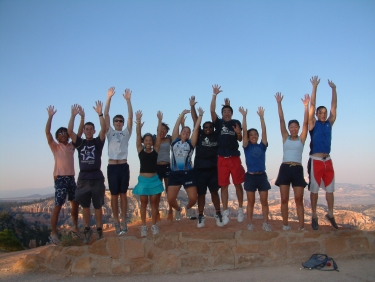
(240, 215)
(144, 231)
(155, 229)
(250, 227)
(286, 227)
(178, 215)
(124, 227)
(201, 220)
(225, 217)
(87, 233)
(314, 223)
(332, 221)
(99, 233)
(301, 229)
(54, 240)
(267, 227)
(118, 230)
(219, 220)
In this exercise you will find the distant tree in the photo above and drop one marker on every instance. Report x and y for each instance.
(9, 242)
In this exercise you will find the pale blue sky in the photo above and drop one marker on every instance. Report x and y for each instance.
(65, 52)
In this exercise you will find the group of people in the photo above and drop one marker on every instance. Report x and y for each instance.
(169, 159)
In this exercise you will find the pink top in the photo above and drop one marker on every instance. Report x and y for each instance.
(64, 162)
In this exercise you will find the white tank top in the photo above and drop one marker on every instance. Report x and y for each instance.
(292, 150)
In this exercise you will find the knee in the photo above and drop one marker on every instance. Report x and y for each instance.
(284, 200)
(299, 201)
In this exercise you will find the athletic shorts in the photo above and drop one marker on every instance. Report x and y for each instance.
(148, 186)
(291, 174)
(227, 166)
(322, 175)
(163, 170)
(118, 178)
(255, 182)
(206, 178)
(185, 178)
(88, 190)
(64, 186)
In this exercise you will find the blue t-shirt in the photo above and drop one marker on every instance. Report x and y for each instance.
(181, 155)
(321, 137)
(255, 155)
(89, 158)
(227, 137)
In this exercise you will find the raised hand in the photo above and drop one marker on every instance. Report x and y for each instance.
(226, 102)
(200, 111)
(315, 80)
(81, 111)
(192, 101)
(138, 115)
(331, 84)
(184, 112)
(51, 111)
(127, 94)
(279, 97)
(216, 89)
(242, 111)
(98, 107)
(260, 112)
(75, 109)
(111, 92)
(160, 115)
(306, 99)
(237, 128)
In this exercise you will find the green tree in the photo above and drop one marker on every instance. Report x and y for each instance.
(9, 242)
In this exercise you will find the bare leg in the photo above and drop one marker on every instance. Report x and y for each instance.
(172, 196)
(250, 206)
(264, 202)
(124, 206)
(166, 190)
(330, 202)
(224, 197)
(192, 195)
(284, 194)
(144, 202)
(239, 193)
(74, 214)
(55, 219)
(86, 216)
(98, 218)
(314, 204)
(154, 201)
(298, 198)
(215, 200)
(114, 206)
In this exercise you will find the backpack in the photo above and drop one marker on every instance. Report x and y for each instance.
(320, 262)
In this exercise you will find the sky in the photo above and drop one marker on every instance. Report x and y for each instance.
(65, 52)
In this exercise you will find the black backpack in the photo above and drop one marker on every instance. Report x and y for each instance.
(320, 262)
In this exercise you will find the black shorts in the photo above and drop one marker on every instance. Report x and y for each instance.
(255, 182)
(163, 170)
(185, 178)
(291, 174)
(206, 178)
(90, 189)
(118, 178)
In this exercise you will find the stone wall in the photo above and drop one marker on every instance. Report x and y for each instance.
(183, 252)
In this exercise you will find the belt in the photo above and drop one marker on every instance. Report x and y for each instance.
(292, 163)
(255, 172)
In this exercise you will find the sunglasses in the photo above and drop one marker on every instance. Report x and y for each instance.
(62, 133)
(207, 127)
(119, 120)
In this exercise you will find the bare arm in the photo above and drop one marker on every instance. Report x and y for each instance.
(138, 122)
(127, 95)
(158, 137)
(314, 82)
(194, 137)
(332, 115)
(284, 132)
(107, 119)
(194, 115)
(305, 126)
(82, 122)
(75, 111)
(103, 128)
(216, 90)
(175, 132)
(245, 139)
(260, 113)
(51, 111)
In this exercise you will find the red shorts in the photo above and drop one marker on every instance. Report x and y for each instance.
(230, 166)
(322, 175)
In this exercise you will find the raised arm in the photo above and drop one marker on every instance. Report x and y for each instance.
(127, 95)
(284, 132)
(305, 126)
(82, 122)
(332, 114)
(216, 90)
(260, 113)
(314, 82)
(237, 129)
(51, 111)
(194, 115)
(194, 136)
(175, 132)
(107, 119)
(158, 137)
(103, 128)
(71, 133)
(139, 124)
(245, 139)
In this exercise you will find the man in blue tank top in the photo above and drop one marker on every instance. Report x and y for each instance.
(320, 168)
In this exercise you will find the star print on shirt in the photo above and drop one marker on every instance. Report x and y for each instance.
(88, 153)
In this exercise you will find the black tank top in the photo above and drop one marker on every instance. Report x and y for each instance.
(148, 161)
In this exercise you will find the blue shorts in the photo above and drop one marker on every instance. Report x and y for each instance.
(206, 178)
(185, 178)
(148, 186)
(118, 178)
(64, 185)
(163, 170)
(256, 181)
(291, 174)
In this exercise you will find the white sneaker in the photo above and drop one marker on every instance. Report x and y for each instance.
(219, 220)
(143, 231)
(178, 215)
(225, 217)
(201, 220)
(155, 229)
(250, 227)
(240, 215)
(266, 227)
(286, 227)
(189, 212)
